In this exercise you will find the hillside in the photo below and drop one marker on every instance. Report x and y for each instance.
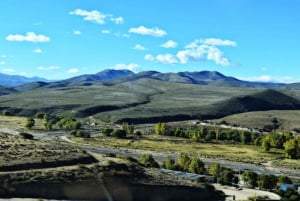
(145, 100)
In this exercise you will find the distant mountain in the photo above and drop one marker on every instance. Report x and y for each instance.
(108, 74)
(213, 78)
(16, 80)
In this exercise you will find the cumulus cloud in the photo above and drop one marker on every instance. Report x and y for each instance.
(73, 70)
(131, 66)
(117, 20)
(156, 32)
(149, 57)
(205, 49)
(162, 58)
(166, 59)
(92, 16)
(139, 47)
(29, 37)
(96, 16)
(48, 68)
(2, 62)
(38, 51)
(77, 32)
(169, 44)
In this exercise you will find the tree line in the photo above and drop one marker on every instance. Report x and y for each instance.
(286, 141)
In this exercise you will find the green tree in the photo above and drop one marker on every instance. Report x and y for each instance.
(148, 161)
(29, 123)
(291, 148)
(183, 162)
(245, 137)
(196, 166)
(265, 145)
(5, 113)
(250, 178)
(267, 181)
(119, 133)
(107, 131)
(214, 169)
(282, 179)
(160, 128)
(169, 163)
(226, 176)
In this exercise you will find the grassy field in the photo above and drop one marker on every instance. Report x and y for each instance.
(288, 119)
(239, 153)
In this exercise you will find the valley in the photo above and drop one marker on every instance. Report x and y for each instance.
(106, 123)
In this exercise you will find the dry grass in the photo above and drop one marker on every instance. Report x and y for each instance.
(242, 153)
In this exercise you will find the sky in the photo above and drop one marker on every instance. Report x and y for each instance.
(256, 40)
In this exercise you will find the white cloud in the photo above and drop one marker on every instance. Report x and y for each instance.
(8, 70)
(219, 42)
(201, 50)
(216, 55)
(149, 57)
(166, 59)
(38, 50)
(29, 37)
(77, 32)
(73, 70)
(92, 16)
(117, 20)
(169, 44)
(3, 56)
(2, 62)
(105, 31)
(48, 68)
(139, 47)
(192, 54)
(156, 32)
(131, 66)
(163, 58)
(269, 78)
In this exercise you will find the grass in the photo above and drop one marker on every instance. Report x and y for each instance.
(288, 119)
(239, 153)
(294, 164)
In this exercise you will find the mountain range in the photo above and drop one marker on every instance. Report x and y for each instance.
(149, 96)
(111, 76)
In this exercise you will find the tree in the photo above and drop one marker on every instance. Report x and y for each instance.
(196, 166)
(169, 163)
(5, 113)
(265, 145)
(148, 161)
(119, 133)
(107, 131)
(160, 128)
(183, 162)
(282, 179)
(30, 123)
(245, 137)
(214, 169)
(250, 178)
(291, 148)
(267, 181)
(226, 176)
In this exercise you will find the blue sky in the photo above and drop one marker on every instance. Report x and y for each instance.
(57, 39)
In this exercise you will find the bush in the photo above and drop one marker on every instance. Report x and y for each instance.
(119, 133)
(107, 131)
(26, 136)
(148, 161)
(77, 133)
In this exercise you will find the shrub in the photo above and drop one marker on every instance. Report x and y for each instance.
(119, 133)
(148, 161)
(26, 136)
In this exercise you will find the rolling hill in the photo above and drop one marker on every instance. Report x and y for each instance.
(149, 96)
